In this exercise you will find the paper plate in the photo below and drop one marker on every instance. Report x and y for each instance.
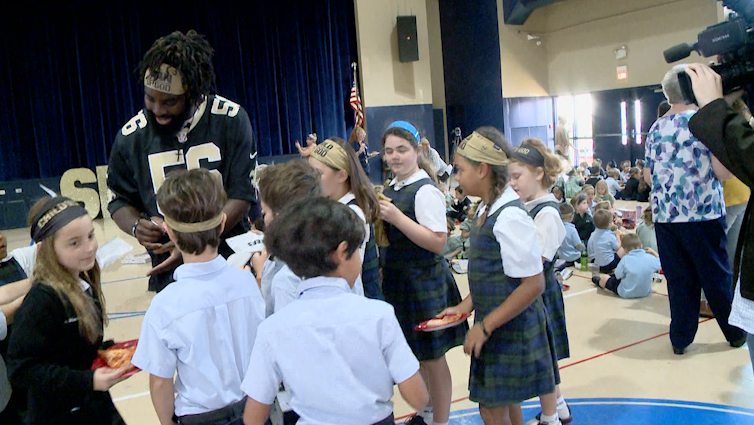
(425, 327)
(100, 362)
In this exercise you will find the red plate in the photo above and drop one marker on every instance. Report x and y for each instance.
(425, 327)
(100, 362)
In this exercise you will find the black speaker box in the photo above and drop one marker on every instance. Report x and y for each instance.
(408, 45)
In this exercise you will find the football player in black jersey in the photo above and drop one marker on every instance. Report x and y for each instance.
(181, 126)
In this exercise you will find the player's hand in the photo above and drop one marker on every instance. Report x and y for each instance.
(475, 340)
(389, 213)
(105, 378)
(169, 263)
(148, 233)
(707, 84)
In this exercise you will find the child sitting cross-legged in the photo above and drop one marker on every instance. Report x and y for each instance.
(338, 353)
(634, 274)
(603, 247)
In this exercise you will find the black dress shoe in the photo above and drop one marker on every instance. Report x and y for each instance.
(738, 343)
(596, 281)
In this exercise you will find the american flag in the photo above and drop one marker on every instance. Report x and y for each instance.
(355, 100)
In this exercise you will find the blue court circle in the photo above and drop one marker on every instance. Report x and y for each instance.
(629, 411)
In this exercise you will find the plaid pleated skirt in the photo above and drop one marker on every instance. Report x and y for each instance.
(556, 320)
(418, 292)
(516, 363)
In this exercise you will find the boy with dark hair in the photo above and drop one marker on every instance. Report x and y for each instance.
(364, 353)
(203, 327)
(603, 246)
(634, 274)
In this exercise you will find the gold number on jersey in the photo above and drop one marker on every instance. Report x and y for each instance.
(137, 122)
(159, 162)
(223, 106)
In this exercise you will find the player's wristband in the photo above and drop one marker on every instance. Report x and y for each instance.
(133, 228)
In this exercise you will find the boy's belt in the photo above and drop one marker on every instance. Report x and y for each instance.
(227, 412)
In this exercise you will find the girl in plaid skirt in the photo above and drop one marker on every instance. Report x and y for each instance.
(533, 171)
(416, 278)
(512, 359)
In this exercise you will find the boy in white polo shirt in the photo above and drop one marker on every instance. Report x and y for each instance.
(339, 354)
(204, 325)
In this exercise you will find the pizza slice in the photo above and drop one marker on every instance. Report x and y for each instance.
(444, 320)
(118, 358)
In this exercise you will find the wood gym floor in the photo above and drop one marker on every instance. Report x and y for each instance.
(622, 369)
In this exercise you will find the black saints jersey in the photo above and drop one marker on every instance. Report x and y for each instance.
(219, 140)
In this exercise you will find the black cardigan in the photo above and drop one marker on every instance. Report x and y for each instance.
(731, 139)
(51, 361)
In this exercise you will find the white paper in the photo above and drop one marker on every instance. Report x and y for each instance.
(248, 242)
(110, 252)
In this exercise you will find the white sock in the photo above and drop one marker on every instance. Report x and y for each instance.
(549, 420)
(427, 414)
(563, 410)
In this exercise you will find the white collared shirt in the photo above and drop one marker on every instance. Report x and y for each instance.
(429, 203)
(338, 354)
(358, 288)
(25, 257)
(517, 235)
(284, 288)
(550, 228)
(203, 326)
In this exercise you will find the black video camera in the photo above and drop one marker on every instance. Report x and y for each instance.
(732, 41)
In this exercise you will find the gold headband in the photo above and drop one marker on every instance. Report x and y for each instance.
(55, 211)
(167, 81)
(333, 155)
(194, 227)
(481, 149)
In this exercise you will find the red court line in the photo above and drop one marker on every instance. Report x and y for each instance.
(581, 361)
(659, 293)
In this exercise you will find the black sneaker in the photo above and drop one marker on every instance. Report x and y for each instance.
(415, 420)
(596, 281)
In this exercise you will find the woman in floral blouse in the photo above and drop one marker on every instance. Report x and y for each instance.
(689, 212)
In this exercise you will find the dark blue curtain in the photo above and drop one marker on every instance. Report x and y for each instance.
(68, 84)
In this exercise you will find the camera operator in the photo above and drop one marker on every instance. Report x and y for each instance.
(730, 137)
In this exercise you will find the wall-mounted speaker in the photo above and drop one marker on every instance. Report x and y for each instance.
(408, 45)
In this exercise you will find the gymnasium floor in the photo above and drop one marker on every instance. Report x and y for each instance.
(622, 369)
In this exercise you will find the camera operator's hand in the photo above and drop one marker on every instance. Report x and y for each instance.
(707, 84)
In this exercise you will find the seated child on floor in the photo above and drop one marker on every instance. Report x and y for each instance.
(582, 219)
(454, 245)
(603, 247)
(572, 246)
(646, 230)
(635, 271)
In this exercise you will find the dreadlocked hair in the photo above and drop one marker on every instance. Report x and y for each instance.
(499, 172)
(191, 54)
